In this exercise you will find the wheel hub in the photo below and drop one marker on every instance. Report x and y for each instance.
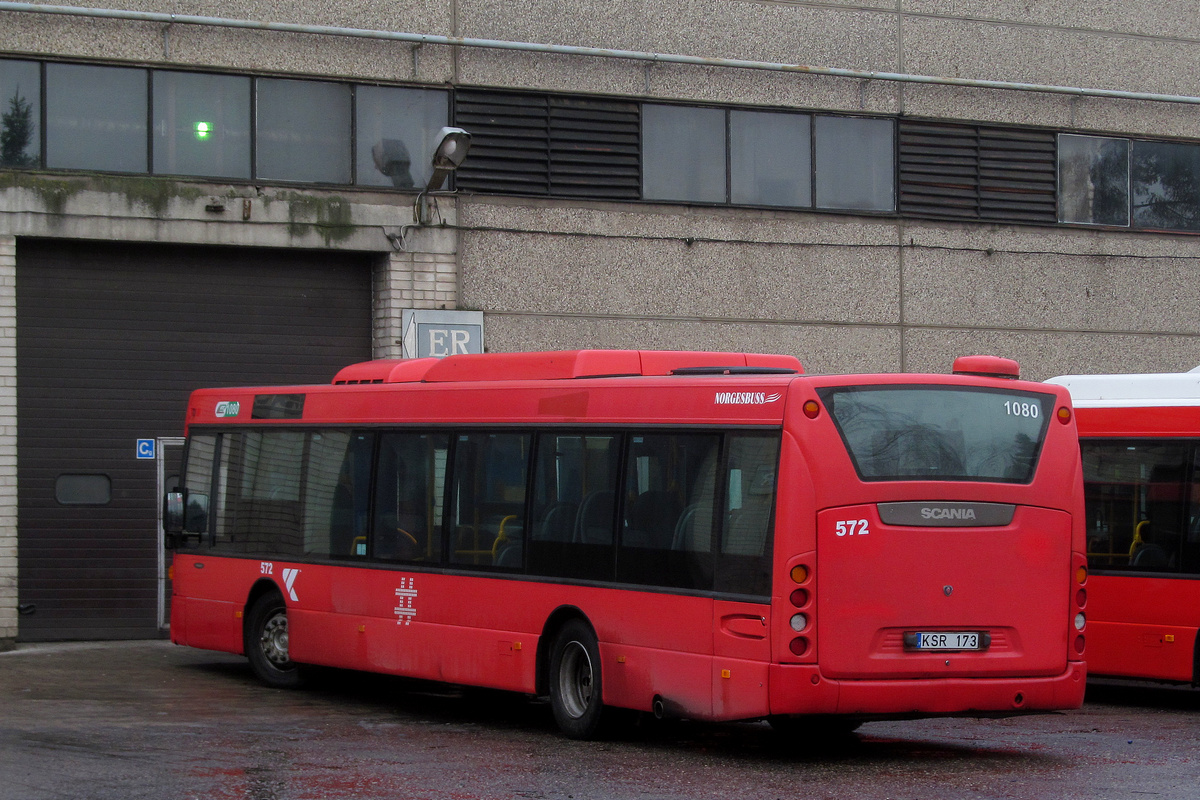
(575, 679)
(274, 640)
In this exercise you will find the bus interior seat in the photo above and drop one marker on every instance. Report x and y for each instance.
(509, 554)
(400, 538)
(1163, 526)
(746, 530)
(558, 523)
(1151, 556)
(683, 537)
(652, 519)
(594, 523)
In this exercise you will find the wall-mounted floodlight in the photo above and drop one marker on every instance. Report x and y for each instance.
(451, 151)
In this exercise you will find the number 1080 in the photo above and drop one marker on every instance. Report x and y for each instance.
(1018, 409)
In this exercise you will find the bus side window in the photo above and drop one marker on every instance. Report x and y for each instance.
(574, 501)
(744, 564)
(1136, 506)
(260, 493)
(669, 494)
(1190, 559)
(488, 495)
(337, 494)
(409, 480)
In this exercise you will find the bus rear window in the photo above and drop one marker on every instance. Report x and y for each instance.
(940, 433)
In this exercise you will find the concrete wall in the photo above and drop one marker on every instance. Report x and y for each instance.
(1109, 44)
(843, 293)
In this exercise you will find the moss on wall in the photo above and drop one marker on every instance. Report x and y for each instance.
(330, 216)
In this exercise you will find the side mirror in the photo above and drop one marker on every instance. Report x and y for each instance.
(173, 512)
(184, 513)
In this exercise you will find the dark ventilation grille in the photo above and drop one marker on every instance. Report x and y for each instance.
(977, 172)
(549, 145)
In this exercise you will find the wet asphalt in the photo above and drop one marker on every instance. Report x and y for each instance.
(127, 720)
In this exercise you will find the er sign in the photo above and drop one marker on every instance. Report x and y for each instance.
(438, 334)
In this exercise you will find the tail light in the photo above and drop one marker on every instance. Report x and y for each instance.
(801, 620)
(1079, 603)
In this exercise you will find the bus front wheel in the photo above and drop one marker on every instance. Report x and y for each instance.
(266, 643)
(575, 682)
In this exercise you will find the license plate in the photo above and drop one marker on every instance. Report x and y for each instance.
(946, 640)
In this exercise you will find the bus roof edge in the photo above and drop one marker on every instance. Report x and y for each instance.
(555, 365)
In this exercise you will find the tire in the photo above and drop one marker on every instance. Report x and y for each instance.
(266, 643)
(576, 685)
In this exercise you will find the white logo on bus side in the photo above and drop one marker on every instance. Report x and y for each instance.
(289, 578)
(746, 398)
(852, 527)
(406, 601)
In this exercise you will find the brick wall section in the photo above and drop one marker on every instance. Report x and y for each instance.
(8, 442)
(410, 281)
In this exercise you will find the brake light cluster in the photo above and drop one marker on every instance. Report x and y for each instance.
(802, 618)
(1078, 606)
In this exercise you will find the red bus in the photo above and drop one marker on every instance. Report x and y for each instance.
(1140, 439)
(714, 536)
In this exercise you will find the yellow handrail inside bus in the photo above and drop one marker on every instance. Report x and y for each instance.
(1138, 541)
(501, 537)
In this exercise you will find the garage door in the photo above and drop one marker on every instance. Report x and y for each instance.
(111, 338)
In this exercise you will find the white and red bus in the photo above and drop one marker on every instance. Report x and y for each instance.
(715, 536)
(1140, 438)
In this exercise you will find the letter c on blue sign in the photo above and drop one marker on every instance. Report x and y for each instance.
(145, 448)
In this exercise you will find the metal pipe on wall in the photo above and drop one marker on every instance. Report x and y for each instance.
(597, 52)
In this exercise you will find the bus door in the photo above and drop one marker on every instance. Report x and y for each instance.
(741, 641)
(168, 460)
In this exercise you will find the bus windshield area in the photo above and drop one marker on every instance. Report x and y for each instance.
(945, 433)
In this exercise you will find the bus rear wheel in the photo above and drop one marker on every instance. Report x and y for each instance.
(266, 643)
(575, 681)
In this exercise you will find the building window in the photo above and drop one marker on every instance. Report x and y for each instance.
(303, 131)
(83, 490)
(396, 131)
(1135, 183)
(20, 112)
(201, 124)
(770, 159)
(683, 154)
(1093, 180)
(855, 164)
(96, 118)
(1166, 186)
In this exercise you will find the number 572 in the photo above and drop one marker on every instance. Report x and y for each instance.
(852, 527)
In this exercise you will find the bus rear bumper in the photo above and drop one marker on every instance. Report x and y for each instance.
(801, 689)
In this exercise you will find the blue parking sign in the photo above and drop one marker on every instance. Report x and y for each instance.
(145, 448)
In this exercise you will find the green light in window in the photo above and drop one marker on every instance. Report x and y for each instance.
(203, 130)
